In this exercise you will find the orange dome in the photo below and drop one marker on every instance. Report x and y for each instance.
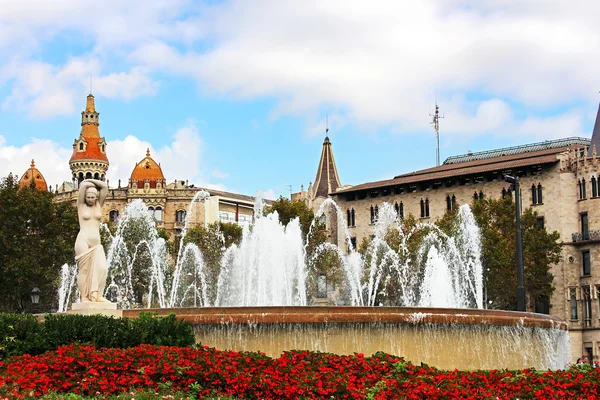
(33, 174)
(147, 170)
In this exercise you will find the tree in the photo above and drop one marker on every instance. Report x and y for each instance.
(541, 249)
(212, 241)
(288, 210)
(37, 237)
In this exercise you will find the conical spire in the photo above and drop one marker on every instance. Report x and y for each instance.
(90, 106)
(595, 134)
(327, 180)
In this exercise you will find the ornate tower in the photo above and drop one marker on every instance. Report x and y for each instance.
(89, 151)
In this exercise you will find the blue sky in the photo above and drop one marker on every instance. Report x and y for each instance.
(234, 94)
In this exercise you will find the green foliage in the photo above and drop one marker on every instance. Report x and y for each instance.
(37, 237)
(541, 249)
(212, 241)
(20, 334)
(24, 334)
(288, 210)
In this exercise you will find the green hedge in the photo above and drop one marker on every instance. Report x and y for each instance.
(24, 334)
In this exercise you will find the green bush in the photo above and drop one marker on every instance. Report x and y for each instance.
(20, 334)
(24, 334)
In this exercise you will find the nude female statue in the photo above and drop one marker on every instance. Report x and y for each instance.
(89, 253)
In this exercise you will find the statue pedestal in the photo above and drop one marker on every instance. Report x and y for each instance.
(91, 308)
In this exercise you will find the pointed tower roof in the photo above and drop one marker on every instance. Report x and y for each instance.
(33, 175)
(94, 146)
(595, 135)
(327, 179)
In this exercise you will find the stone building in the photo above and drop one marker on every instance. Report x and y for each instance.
(33, 175)
(558, 178)
(168, 201)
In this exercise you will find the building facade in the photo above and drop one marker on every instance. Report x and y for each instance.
(167, 200)
(558, 178)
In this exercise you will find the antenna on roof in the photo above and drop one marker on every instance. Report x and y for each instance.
(436, 125)
(326, 123)
(90, 84)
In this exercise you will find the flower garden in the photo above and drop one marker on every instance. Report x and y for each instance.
(206, 372)
(96, 357)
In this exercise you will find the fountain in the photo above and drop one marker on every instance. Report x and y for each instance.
(425, 305)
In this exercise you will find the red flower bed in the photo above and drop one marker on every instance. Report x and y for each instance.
(87, 370)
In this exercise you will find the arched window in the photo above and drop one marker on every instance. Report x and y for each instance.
(453, 201)
(352, 217)
(448, 203)
(422, 209)
(583, 191)
(539, 193)
(475, 196)
(113, 215)
(427, 207)
(376, 212)
(348, 220)
(594, 187)
(80, 177)
(180, 216)
(533, 194)
(80, 146)
(579, 189)
(503, 192)
(401, 212)
(88, 175)
(480, 195)
(151, 209)
(158, 213)
(96, 176)
(372, 214)
(397, 209)
(103, 149)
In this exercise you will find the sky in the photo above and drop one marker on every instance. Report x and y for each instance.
(234, 95)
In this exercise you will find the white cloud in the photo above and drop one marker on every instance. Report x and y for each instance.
(269, 195)
(43, 90)
(219, 174)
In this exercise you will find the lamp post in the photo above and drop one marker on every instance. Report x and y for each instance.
(514, 180)
(35, 297)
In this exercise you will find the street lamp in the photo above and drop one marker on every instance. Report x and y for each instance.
(514, 180)
(35, 296)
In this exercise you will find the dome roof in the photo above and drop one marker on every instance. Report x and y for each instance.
(33, 174)
(147, 169)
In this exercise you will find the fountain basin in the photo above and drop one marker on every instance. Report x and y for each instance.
(444, 338)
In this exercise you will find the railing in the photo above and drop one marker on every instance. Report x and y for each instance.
(583, 236)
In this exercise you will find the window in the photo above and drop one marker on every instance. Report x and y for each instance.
(422, 208)
(503, 192)
(480, 195)
(322, 286)
(376, 212)
(539, 194)
(594, 187)
(96, 176)
(426, 207)
(113, 215)
(80, 146)
(582, 190)
(372, 215)
(401, 210)
(180, 216)
(475, 196)
(542, 305)
(243, 218)
(158, 213)
(397, 208)
(533, 195)
(587, 306)
(103, 150)
(453, 203)
(585, 259)
(353, 242)
(585, 230)
(573, 303)
(448, 203)
(226, 216)
(352, 217)
(348, 218)
(598, 297)
(88, 175)
(539, 222)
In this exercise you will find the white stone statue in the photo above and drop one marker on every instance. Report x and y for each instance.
(89, 253)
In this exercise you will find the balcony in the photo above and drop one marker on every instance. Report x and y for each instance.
(585, 236)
